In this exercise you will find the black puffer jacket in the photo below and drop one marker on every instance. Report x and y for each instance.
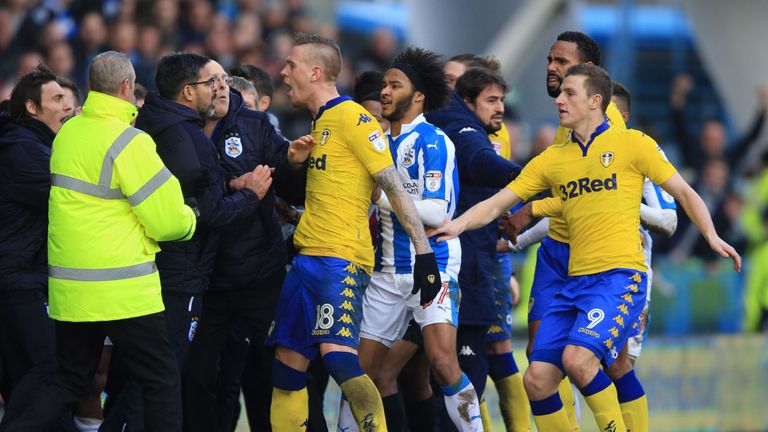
(185, 267)
(254, 250)
(25, 182)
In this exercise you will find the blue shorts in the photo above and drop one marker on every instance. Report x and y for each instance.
(321, 302)
(594, 311)
(549, 277)
(501, 328)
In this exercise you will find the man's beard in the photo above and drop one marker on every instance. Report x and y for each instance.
(401, 107)
(490, 128)
(554, 92)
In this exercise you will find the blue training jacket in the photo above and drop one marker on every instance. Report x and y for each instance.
(481, 174)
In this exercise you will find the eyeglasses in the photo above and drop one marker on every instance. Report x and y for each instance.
(213, 80)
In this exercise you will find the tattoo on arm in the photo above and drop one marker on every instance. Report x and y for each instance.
(390, 183)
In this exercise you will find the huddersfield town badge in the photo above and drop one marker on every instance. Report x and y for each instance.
(606, 159)
(233, 146)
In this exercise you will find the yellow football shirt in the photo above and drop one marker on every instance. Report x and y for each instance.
(557, 228)
(600, 184)
(349, 147)
(501, 143)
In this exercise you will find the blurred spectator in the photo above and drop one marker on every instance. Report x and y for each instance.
(218, 42)
(197, 21)
(367, 93)
(165, 14)
(712, 137)
(61, 59)
(725, 206)
(246, 35)
(91, 40)
(149, 50)
(122, 37)
(380, 52)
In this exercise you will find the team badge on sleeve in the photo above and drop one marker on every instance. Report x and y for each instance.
(377, 140)
(433, 180)
(606, 159)
(233, 146)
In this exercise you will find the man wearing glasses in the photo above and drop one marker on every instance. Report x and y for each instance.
(250, 263)
(174, 117)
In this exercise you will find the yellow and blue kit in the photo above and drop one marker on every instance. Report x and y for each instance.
(600, 183)
(320, 300)
(553, 255)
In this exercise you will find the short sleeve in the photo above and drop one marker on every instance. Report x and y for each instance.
(649, 159)
(532, 179)
(366, 140)
(547, 207)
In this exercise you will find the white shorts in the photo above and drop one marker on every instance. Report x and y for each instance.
(638, 335)
(388, 306)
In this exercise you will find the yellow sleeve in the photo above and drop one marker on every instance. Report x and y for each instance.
(547, 207)
(532, 179)
(153, 192)
(367, 142)
(649, 160)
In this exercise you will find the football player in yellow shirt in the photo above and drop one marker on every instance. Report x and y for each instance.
(598, 174)
(320, 305)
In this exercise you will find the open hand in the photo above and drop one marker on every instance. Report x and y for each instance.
(300, 149)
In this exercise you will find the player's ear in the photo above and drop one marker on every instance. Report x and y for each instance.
(317, 73)
(418, 96)
(595, 101)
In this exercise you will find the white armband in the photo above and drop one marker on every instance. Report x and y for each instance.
(432, 212)
(533, 235)
(661, 221)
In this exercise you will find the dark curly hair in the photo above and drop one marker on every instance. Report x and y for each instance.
(429, 67)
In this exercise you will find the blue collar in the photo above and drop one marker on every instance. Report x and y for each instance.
(600, 129)
(328, 105)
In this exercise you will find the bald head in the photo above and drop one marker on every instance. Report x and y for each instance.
(323, 52)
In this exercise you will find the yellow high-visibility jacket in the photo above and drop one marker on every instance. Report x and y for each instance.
(111, 201)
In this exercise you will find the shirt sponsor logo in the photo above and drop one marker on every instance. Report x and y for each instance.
(585, 185)
(233, 147)
(378, 142)
(433, 180)
(319, 163)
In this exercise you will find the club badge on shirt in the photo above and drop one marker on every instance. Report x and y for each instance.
(233, 146)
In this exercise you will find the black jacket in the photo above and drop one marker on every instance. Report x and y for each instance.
(185, 267)
(482, 173)
(25, 182)
(254, 250)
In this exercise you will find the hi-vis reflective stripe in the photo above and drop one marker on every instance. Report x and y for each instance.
(102, 189)
(102, 275)
(152, 185)
(84, 187)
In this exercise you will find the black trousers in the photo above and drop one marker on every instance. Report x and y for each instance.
(27, 348)
(126, 413)
(147, 353)
(250, 311)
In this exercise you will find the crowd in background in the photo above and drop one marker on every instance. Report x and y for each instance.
(727, 167)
